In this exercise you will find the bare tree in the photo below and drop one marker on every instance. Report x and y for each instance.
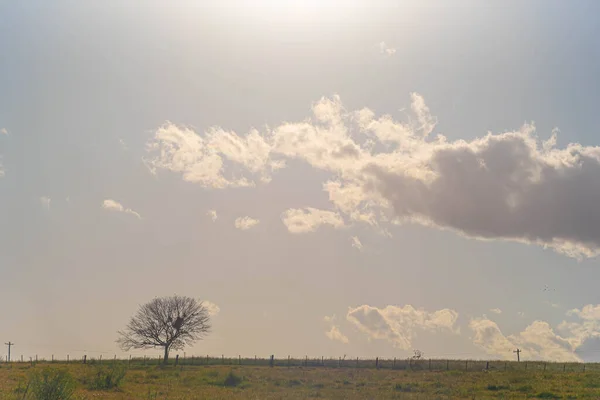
(169, 322)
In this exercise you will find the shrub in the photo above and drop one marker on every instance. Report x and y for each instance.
(51, 384)
(108, 378)
(232, 379)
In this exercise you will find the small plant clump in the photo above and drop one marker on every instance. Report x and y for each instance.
(232, 380)
(50, 384)
(107, 378)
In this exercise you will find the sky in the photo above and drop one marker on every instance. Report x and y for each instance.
(360, 178)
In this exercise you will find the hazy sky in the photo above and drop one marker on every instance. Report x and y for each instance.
(360, 180)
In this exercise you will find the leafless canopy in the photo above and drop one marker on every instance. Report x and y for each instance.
(169, 322)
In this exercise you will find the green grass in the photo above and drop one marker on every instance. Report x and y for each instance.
(296, 382)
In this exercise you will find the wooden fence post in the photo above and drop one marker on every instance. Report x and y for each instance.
(466, 365)
(487, 365)
(176, 359)
(100, 358)
(394, 364)
(306, 361)
(272, 362)
(84, 358)
(505, 366)
(356, 362)
(377, 362)
(288, 361)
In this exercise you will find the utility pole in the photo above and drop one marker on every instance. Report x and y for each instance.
(518, 351)
(9, 344)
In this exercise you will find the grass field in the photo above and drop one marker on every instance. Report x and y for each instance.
(263, 382)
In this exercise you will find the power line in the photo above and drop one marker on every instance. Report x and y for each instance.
(9, 344)
(518, 351)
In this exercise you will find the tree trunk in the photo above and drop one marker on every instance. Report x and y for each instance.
(166, 358)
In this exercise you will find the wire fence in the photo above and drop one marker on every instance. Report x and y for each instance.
(436, 365)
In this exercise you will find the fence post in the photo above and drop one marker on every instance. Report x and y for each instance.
(288, 361)
(487, 365)
(356, 362)
(306, 361)
(84, 358)
(394, 364)
(272, 361)
(377, 362)
(322, 361)
(466, 365)
(240, 359)
(255, 361)
(505, 366)
(176, 359)
(564, 367)
(101, 358)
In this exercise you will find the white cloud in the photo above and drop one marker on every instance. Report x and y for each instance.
(538, 341)
(113, 205)
(3, 131)
(200, 159)
(385, 49)
(356, 243)
(335, 334)
(212, 309)
(496, 310)
(400, 325)
(245, 223)
(310, 219)
(213, 215)
(507, 186)
(45, 200)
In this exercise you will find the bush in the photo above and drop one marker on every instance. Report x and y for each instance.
(232, 379)
(51, 384)
(108, 378)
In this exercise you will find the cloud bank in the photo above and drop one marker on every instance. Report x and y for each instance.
(507, 186)
(400, 325)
